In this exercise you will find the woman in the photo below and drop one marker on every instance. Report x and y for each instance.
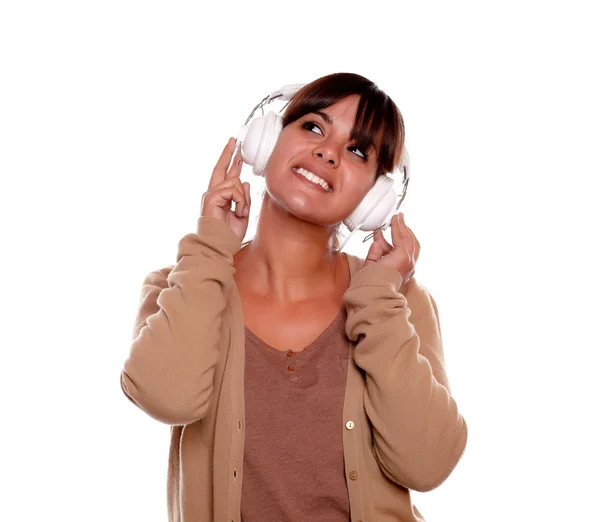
(300, 383)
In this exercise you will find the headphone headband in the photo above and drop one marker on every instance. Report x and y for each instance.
(286, 92)
(283, 94)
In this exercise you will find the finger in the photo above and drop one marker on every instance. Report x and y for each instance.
(231, 182)
(220, 170)
(399, 237)
(385, 246)
(408, 239)
(407, 235)
(236, 165)
(223, 196)
(375, 252)
(246, 186)
(413, 242)
(417, 245)
(241, 187)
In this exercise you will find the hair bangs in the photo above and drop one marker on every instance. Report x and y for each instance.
(378, 121)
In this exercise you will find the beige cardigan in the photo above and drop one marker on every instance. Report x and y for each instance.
(402, 428)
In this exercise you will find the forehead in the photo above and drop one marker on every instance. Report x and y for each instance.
(344, 111)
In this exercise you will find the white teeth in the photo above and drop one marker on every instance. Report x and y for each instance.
(315, 179)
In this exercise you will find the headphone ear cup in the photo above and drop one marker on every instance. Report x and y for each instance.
(258, 140)
(250, 137)
(375, 207)
(270, 127)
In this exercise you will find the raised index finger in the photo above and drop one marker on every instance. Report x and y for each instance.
(220, 170)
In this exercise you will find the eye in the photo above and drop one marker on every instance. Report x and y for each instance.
(309, 125)
(361, 154)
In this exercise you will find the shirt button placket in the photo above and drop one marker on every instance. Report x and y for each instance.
(291, 361)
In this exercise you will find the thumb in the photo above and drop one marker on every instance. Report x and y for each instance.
(374, 253)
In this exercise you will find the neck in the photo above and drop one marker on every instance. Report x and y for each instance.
(289, 259)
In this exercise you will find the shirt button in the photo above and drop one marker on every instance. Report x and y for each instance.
(291, 368)
(290, 353)
(353, 475)
(350, 425)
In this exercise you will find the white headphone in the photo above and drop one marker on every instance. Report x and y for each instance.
(373, 213)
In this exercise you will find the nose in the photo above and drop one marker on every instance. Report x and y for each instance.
(327, 152)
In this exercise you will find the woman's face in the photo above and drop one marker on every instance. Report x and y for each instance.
(320, 144)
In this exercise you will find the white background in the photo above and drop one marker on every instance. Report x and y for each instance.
(112, 115)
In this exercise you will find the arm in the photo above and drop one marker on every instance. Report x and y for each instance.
(418, 433)
(170, 369)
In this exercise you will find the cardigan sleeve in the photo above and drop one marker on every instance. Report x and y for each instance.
(176, 334)
(419, 435)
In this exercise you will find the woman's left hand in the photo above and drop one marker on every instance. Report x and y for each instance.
(402, 255)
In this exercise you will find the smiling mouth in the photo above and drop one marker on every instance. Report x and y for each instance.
(312, 178)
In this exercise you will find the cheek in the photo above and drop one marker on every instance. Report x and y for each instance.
(361, 191)
(284, 151)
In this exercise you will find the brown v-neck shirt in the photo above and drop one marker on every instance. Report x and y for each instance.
(293, 452)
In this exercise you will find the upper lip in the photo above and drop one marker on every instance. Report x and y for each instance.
(324, 175)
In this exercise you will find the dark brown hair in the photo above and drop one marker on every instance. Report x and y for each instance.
(378, 120)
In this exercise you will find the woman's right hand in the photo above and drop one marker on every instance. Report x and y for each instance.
(223, 188)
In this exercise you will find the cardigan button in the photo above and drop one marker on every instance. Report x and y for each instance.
(353, 475)
(350, 425)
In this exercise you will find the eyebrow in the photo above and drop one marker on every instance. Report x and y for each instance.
(325, 117)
